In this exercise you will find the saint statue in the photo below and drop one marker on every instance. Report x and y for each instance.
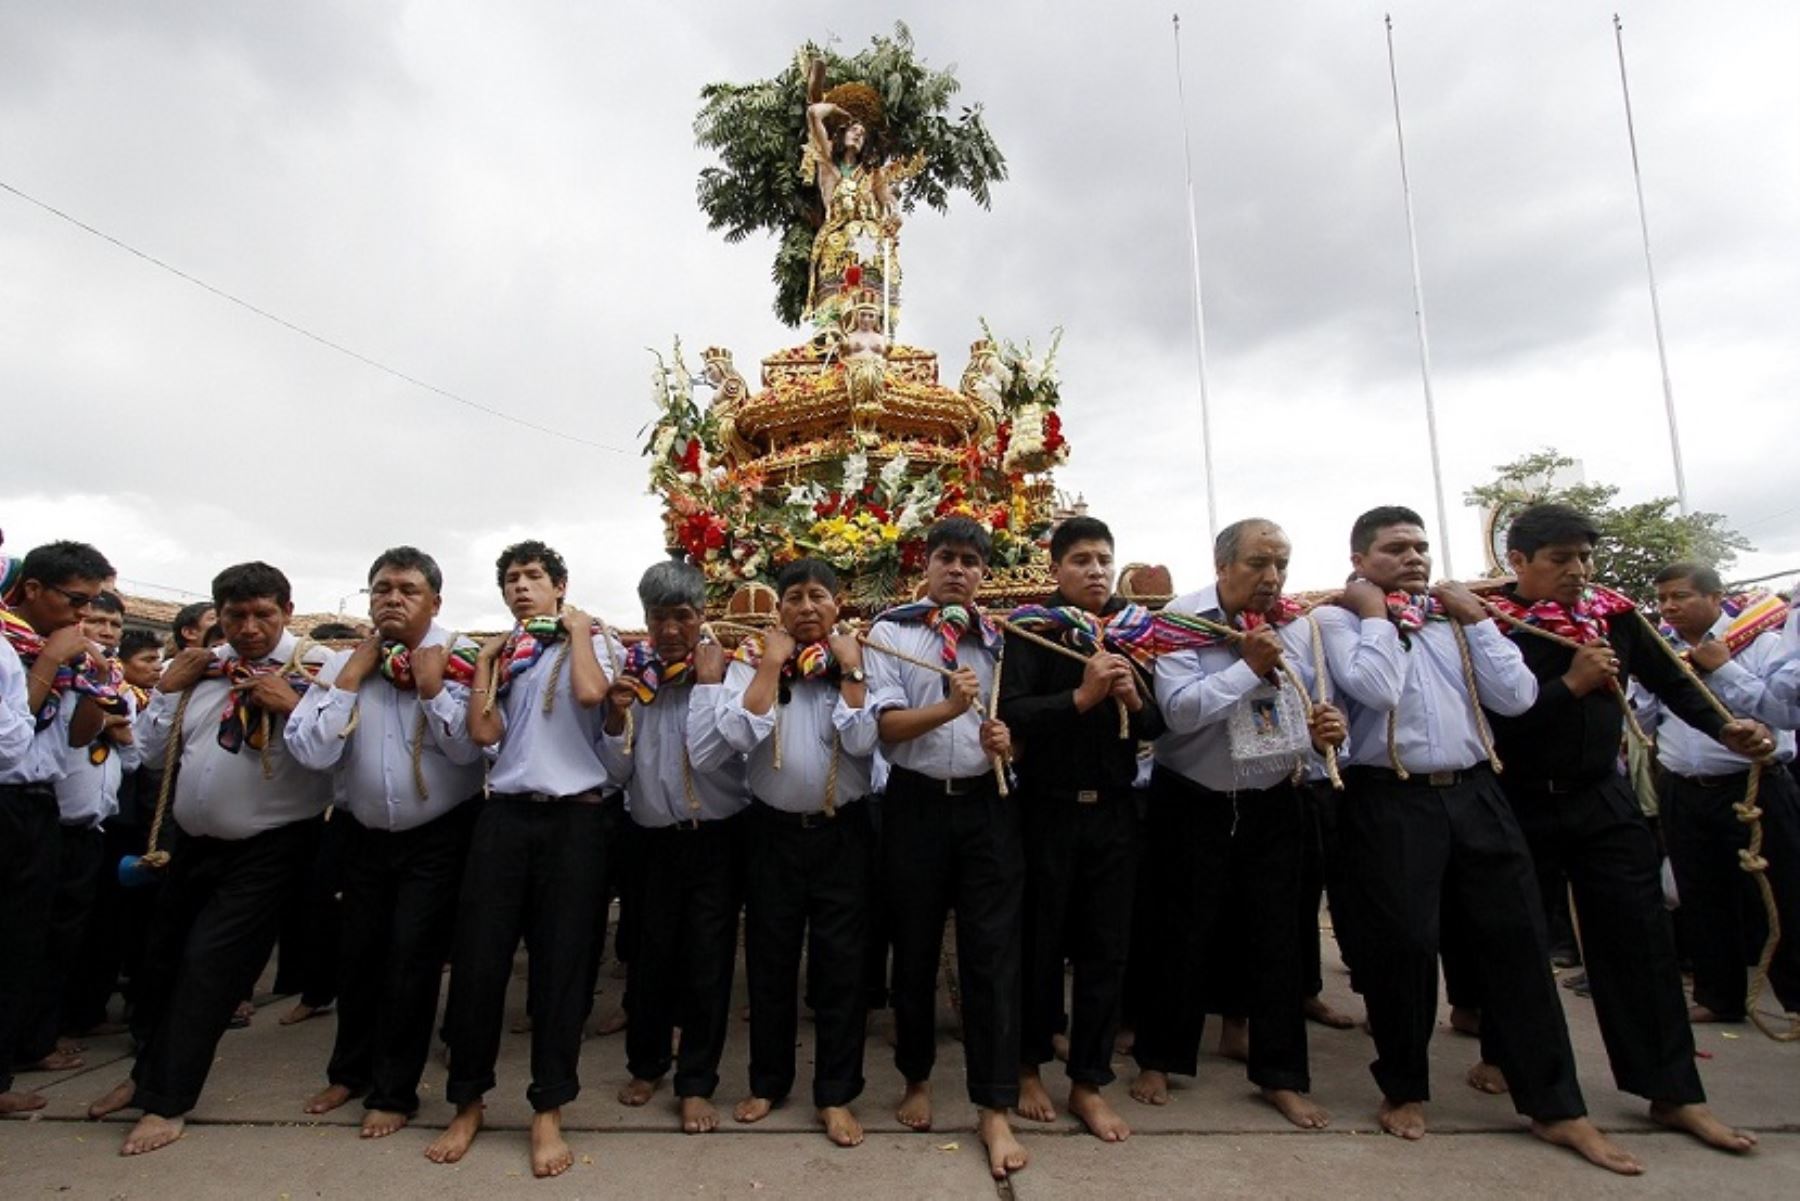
(856, 247)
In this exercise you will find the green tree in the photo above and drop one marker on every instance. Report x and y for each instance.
(759, 129)
(1637, 540)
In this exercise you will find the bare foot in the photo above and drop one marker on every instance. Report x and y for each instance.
(1700, 1015)
(453, 1144)
(638, 1092)
(1151, 1087)
(1297, 1108)
(1059, 1046)
(1466, 1019)
(379, 1123)
(1405, 1121)
(752, 1109)
(1103, 1122)
(550, 1155)
(1700, 1122)
(151, 1133)
(300, 1012)
(612, 1023)
(17, 1102)
(915, 1107)
(1487, 1078)
(240, 1017)
(119, 1098)
(1584, 1138)
(56, 1061)
(1234, 1039)
(841, 1126)
(1124, 1041)
(329, 1099)
(1034, 1101)
(698, 1115)
(1318, 1009)
(69, 1046)
(1005, 1153)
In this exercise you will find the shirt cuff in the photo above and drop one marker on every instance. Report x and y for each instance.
(443, 706)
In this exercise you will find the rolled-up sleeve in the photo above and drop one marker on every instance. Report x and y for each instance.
(1504, 683)
(16, 722)
(1364, 657)
(708, 749)
(741, 729)
(858, 728)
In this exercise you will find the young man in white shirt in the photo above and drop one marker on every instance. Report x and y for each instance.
(537, 859)
(49, 670)
(392, 728)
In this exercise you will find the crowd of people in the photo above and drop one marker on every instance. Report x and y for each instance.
(1132, 816)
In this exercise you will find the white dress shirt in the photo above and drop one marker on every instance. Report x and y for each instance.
(1434, 726)
(808, 722)
(372, 769)
(17, 725)
(1739, 684)
(952, 751)
(89, 793)
(221, 793)
(1784, 677)
(554, 754)
(44, 756)
(676, 744)
(1199, 690)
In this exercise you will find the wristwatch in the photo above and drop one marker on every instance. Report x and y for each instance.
(856, 675)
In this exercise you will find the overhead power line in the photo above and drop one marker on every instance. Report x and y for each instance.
(321, 339)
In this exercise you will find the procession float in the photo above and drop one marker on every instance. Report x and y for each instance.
(850, 444)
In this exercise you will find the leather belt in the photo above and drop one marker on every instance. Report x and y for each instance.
(958, 786)
(1424, 779)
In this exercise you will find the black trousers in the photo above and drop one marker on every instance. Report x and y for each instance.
(30, 846)
(1408, 845)
(399, 909)
(1080, 876)
(118, 924)
(617, 830)
(1321, 879)
(1143, 963)
(1597, 836)
(215, 925)
(1721, 900)
(307, 964)
(1226, 875)
(962, 853)
(535, 870)
(807, 883)
(689, 896)
(78, 880)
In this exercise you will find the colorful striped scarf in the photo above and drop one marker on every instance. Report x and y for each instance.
(1585, 622)
(90, 677)
(242, 721)
(1411, 611)
(1183, 632)
(1130, 630)
(396, 664)
(811, 661)
(1752, 615)
(645, 671)
(524, 647)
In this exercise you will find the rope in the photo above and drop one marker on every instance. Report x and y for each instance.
(1482, 730)
(993, 697)
(1750, 858)
(993, 711)
(1068, 653)
(1322, 681)
(153, 857)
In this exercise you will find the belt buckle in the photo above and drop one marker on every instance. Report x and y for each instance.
(955, 787)
(1441, 779)
(810, 821)
(1088, 796)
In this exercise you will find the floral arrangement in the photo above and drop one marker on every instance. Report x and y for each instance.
(682, 434)
(1026, 388)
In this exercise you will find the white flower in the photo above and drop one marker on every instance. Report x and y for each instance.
(894, 472)
(717, 475)
(798, 497)
(665, 440)
(856, 472)
(988, 392)
(911, 517)
(684, 383)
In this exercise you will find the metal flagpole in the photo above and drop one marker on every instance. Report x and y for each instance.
(1662, 354)
(1212, 501)
(1412, 240)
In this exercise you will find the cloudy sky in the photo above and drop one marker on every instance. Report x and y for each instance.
(498, 200)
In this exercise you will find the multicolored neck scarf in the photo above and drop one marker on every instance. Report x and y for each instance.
(242, 721)
(1412, 611)
(524, 647)
(950, 623)
(810, 661)
(1585, 622)
(1130, 630)
(1186, 632)
(1752, 615)
(396, 664)
(98, 679)
(647, 674)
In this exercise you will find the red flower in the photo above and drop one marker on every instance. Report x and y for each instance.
(690, 458)
(714, 538)
(912, 554)
(999, 519)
